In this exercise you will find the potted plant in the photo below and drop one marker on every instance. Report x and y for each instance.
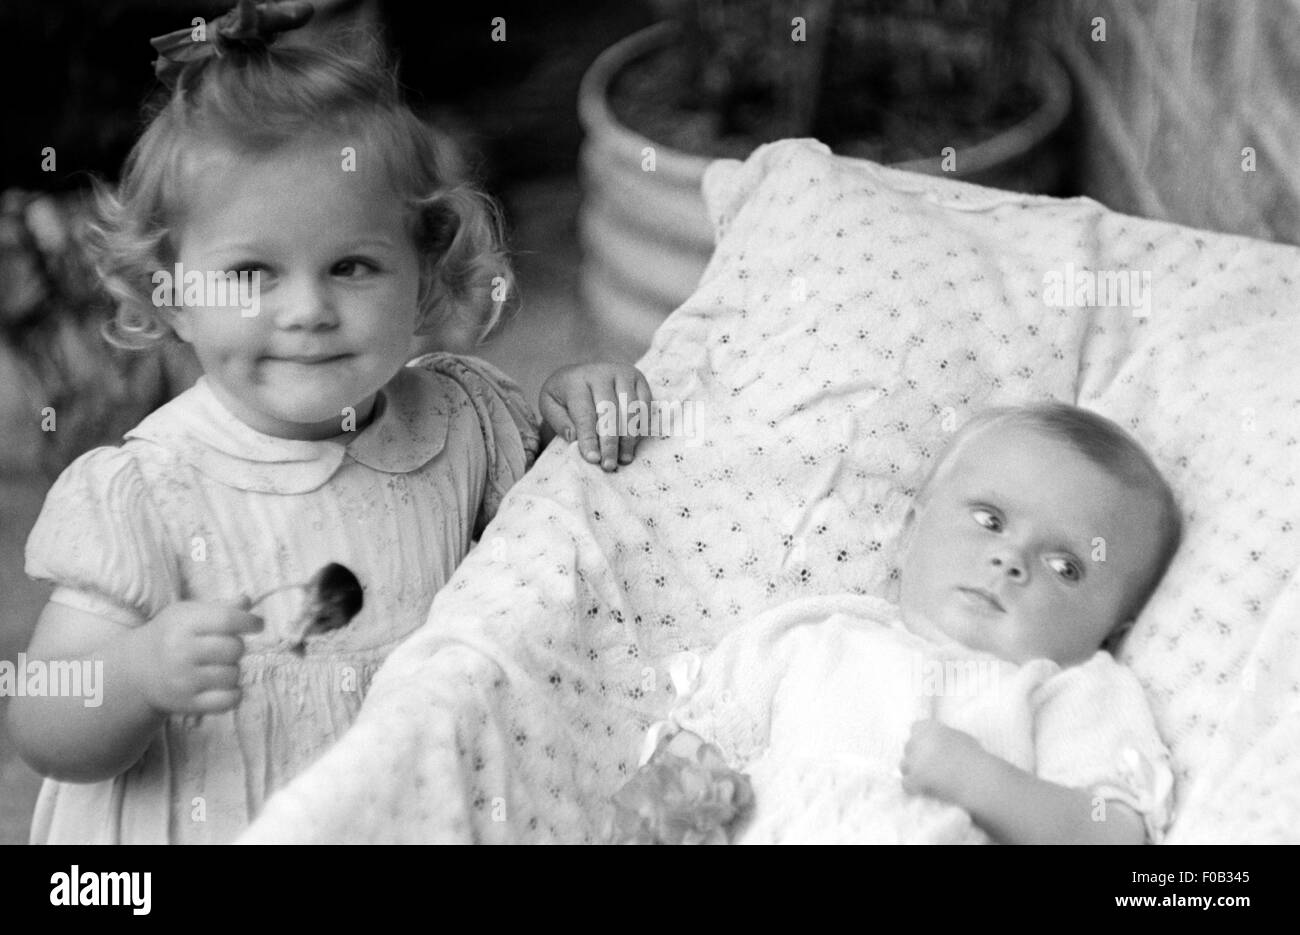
(896, 81)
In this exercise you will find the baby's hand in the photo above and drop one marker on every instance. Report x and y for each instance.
(936, 758)
(583, 402)
(191, 654)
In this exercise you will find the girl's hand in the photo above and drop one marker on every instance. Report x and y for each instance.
(583, 402)
(190, 657)
(937, 759)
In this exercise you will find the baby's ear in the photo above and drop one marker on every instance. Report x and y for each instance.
(1116, 636)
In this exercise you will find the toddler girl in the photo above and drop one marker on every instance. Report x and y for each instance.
(297, 179)
(982, 708)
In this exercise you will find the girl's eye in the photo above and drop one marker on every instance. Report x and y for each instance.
(352, 267)
(257, 275)
(1069, 570)
(987, 518)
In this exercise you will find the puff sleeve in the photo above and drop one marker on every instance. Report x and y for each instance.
(508, 423)
(100, 542)
(1094, 730)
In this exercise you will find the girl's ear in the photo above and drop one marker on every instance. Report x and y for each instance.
(426, 316)
(179, 322)
(426, 323)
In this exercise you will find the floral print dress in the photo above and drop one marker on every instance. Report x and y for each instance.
(197, 506)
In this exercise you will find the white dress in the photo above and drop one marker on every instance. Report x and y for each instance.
(815, 700)
(197, 506)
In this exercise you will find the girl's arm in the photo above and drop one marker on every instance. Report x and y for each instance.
(66, 739)
(545, 435)
(185, 660)
(583, 403)
(1013, 806)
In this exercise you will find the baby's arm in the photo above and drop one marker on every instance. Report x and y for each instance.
(1013, 806)
(184, 661)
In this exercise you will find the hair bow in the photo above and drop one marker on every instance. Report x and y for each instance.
(249, 24)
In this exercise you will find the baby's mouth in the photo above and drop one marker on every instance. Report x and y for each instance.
(983, 598)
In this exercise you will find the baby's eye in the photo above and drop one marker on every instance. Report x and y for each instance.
(1066, 568)
(987, 518)
(352, 267)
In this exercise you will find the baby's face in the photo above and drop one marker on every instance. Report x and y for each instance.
(1005, 553)
(339, 277)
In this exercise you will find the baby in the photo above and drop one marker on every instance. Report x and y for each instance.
(1034, 542)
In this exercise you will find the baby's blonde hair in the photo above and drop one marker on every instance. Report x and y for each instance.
(1103, 443)
(255, 101)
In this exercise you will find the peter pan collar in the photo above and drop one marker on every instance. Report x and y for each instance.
(410, 428)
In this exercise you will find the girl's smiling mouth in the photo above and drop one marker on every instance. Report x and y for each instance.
(307, 359)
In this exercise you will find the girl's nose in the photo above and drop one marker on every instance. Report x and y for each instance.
(1010, 564)
(305, 304)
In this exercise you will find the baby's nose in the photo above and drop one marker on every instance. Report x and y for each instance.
(1010, 565)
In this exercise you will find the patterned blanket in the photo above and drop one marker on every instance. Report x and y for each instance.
(852, 318)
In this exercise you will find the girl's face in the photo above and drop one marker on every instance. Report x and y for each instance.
(339, 285)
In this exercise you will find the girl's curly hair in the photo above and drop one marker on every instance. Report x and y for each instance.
(252, 101)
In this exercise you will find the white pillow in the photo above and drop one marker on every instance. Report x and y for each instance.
(861, 314)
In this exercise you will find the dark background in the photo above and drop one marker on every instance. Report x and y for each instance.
(79, 71)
